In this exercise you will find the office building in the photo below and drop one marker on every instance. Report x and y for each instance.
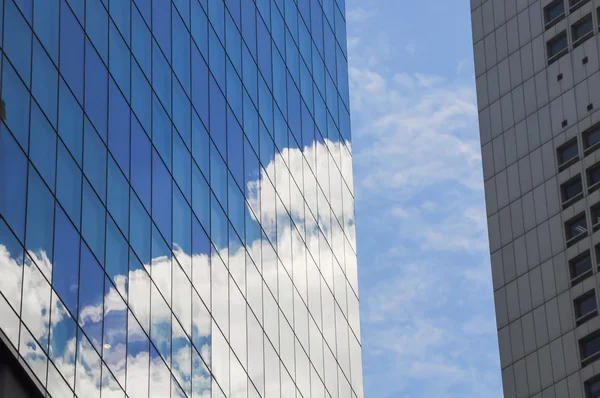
(176, 200)
(538, 96)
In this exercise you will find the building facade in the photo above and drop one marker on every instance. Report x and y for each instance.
(538, 95)
(176, 199)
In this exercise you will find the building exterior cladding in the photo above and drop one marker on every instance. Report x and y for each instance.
(538, 91)
(176, 198)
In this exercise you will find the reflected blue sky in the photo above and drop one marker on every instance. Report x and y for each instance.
(186, 232)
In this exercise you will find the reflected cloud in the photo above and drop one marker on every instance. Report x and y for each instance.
(156, 320)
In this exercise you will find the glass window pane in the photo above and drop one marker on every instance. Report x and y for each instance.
(93, 216)
(94, 160)
(182, 112)
(141, 101)
(17, 44)
(141, 42)
(40, 222)
(91, 297)
(114, 344)
(161, 324)
(46, 25)
(43, 146)
(96, 88)
(119, 11)
(139, 233)
(161, 77)
(161, 196)
(17, 100)
(116, 257)
(71, 51)
(181, 51)
(161, 25)
(182, 229)
(119, 59)
(182, 166)
(63, 333)
(160, 271)
(200, 85)
(139, 292)
(200, 197)
(35, 311)
(11, 268)
(66, 261)
(140, 163)
(68, 184)
(138, 365)
(13, 182)
(96, 27)
(70, 122)
(200, 144)
(201, 262)
(161, 131)
(118, 196)
(88, 374)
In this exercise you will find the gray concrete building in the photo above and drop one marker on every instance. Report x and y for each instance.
(538, 96)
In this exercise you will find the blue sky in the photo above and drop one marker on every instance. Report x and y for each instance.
(428, 324)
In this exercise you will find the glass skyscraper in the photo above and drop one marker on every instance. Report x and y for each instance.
(176, 199)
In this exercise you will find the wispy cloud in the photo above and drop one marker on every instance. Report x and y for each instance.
(426, 294)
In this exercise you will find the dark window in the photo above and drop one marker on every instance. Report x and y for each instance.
(580, 267)
(575, 228)
(589, 348)
(592, 388)
(571, 190)
(575, 4)
(593, 175)
(585, 307)
(591, 138)
(557, 46)
(567, 154)
(582, 29)
(554, 12)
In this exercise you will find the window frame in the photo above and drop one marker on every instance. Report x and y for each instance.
(575, 4)
(592, 185)
(595, 129)
(580, 317)
(588, 383)
(548, 23)
(554, 57)
(564, 163)
(572, 239)
(567, 184)
(593, 356)
(586, 35)
(575, 279)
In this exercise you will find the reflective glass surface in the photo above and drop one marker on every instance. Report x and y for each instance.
(176, 198)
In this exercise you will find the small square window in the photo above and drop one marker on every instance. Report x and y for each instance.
(591, 138)
(589, 348)
(582, 30)
(575, 229)
(575, 4)
(593, 176)
(571, 190)
(567, 154)
(554, 12)
(585, 307)
(557, 46)
(580, 267)
(592, 388)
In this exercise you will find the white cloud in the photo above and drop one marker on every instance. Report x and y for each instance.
(426, 297)
(162, 288)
